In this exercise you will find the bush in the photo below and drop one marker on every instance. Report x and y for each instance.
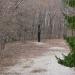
(71, 21)
(71, 3)
(71, 41)
(70, 59)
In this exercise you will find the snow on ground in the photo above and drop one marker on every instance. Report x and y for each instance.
(46, 64)
(39, 43)
(58, 48)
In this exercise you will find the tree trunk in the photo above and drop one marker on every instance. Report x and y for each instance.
(39, 33)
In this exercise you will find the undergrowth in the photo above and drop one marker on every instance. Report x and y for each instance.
(69, 60)
(70, 3)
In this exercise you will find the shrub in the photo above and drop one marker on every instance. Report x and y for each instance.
(70, 59)
(71, 3)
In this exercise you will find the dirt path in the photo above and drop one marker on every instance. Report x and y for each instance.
(46, 64)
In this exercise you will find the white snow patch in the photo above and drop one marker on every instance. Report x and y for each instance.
(57, 48)
(39, 43)
(47, 62)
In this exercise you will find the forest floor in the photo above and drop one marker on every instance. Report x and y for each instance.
(35, 58)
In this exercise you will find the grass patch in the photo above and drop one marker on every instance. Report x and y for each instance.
(69, 60)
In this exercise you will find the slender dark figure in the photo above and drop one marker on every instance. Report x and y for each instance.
(39, 33)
